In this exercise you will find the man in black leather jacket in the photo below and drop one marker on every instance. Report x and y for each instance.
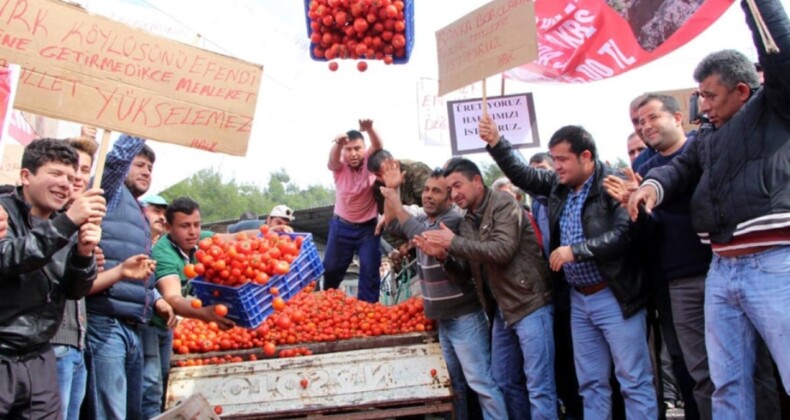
(590, 242)
(39, 270)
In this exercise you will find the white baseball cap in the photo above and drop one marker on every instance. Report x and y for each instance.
(282, 211)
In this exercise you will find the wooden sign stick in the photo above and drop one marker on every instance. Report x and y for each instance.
(102, 157)
(485, 99)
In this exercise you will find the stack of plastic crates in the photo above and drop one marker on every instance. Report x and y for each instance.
(250, 304)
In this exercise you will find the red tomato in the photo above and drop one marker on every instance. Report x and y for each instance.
(278, 304)
(189, 271)
(333, 65)
(221, 310)
(217, 409)
(362, 66)
(269, 349)
(205, 244)
(196, 303)
(304, 383)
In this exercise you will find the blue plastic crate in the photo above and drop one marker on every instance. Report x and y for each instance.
(408, 14)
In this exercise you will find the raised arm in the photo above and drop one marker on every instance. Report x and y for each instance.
(335, 163)
(116, 167)
(366, 125)
(776, 67)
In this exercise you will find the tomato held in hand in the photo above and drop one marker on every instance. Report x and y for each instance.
(221, 310)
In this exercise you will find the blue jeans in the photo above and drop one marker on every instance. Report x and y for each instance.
(598, 330)
(343, 241)
(746, 296)
(157, 348)
(531, 339)
(117, 358)
(466, 348)
(72, 379)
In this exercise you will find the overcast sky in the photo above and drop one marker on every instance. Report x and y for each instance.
(302, 105)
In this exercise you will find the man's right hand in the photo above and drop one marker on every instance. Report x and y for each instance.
(488, 130)
(645, 196)
(365, 124)
(90, 205)
(391, 174)
(138, 267)
(3, 222)
(207, 314)
(621, 189)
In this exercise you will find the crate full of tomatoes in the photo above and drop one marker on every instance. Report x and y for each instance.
(247, 274)
(357, 29)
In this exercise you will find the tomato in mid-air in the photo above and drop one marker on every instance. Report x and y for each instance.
(278, 304)
(189, 271)
(196, 303)
(362, 66)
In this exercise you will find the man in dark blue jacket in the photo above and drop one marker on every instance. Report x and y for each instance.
(40, 267)
(741, 206)
(115, 314)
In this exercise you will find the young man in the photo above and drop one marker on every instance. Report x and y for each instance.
(453, 303)
(175, 250)
(497, 246)
(352, 228)
(40, 268)
(741, 206)
(590, 240)
(116, 313)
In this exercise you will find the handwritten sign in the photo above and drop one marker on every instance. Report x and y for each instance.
(513, 114)
(494, 38)
(432, 110)
(90, 69)
(11, 163)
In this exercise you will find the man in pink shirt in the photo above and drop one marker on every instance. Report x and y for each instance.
(352, 228)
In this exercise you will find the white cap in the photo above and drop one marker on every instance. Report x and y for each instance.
(282, 211)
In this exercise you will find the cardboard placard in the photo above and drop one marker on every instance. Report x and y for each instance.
(11, 163)
(90, 69)
(496, 37)
(513, 114)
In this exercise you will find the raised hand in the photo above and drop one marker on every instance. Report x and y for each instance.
(646, 197)
(365, 124)
(391, 173)
(428, 248)
(621, 189)
(488, 130)
(138, 267)
(90, 205)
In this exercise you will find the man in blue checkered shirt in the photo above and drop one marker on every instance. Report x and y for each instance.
(591, 241)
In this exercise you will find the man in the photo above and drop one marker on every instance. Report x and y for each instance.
(352, 228)
(590, 240)
(496, 245)
(154, 208)
(280, 219)
(414, 175)
(40, 268)
(635, 146)
(453, 303)
(117, 312)
(741, 206)
(647, 152)
(504, 184)
(172, 253)
(540, 210)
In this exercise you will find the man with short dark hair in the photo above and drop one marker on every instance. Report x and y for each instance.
(635, 146)
(414, 174)
(590, 241)
(453, 303)
(646, 152)
(741, 206)
(352, 228)
(496, 245)
(40, 268)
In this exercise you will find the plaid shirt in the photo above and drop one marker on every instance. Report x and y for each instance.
(572, 232)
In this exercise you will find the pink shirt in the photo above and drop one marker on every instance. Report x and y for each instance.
(354, 193)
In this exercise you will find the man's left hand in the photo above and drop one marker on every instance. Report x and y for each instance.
(441, 237)
(88, 238)
(165, 311)
(365, 124)
(560, 257)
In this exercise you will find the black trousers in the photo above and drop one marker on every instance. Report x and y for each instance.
(29, 389)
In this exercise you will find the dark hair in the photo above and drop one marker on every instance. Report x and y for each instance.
(731, 66)
(354, 135)
(579, 139)
(248, 215)
(437, 173)
(541, 157)
(376, 159)
(42, 151)
(668, 103)
(148, 153)
(184, 205)
(464, 166)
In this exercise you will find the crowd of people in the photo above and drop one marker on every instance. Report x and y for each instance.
(543, 311)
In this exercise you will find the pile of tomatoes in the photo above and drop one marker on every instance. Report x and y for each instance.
(372, 29)
(246, 259)
(308, 317)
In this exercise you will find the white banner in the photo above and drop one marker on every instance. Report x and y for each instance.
(514, 115)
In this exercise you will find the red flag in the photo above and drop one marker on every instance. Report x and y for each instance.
(587, 40)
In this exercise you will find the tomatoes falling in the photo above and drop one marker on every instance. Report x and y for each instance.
(362, 66)
(355, 29)
(333, 66)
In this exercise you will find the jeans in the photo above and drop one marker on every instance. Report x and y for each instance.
(744, 297)
(117, 358)
(532, 338)
(599, 330)
(72, 379)
(157, 348)
(466, 347)
(343, 241)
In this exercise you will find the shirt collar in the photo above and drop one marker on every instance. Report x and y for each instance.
(180, 251)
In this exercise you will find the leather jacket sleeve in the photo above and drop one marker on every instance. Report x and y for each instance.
(611, 244)
(79, 276)
(532, 181)
(500, 244)
(682, 172)
(34, 249)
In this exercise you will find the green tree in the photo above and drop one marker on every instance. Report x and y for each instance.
(491, 173)
(223, 200)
